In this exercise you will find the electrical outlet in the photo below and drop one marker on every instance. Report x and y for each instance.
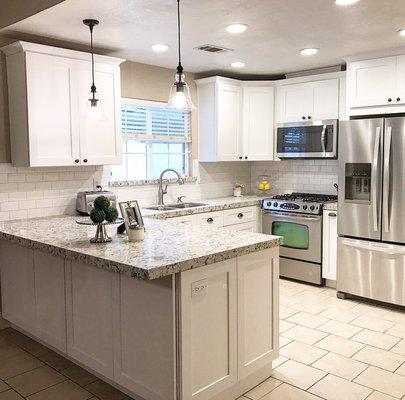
(199, 288)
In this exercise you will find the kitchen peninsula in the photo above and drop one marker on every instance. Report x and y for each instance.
(189, 313)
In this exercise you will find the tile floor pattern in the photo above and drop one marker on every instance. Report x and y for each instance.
(329, 349)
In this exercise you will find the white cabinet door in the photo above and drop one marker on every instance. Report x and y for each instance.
(325, 99)
(229, 122)
(90, 298)
(245, 227)
(208, 330)
(258, 129)
(100, 141)
(372, 82)
(294, 102)
(258, 275)
(49, 275)
(330, 237)
(52, 110)
(17, 285)
(400, 93)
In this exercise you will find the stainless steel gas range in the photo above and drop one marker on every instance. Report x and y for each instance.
(298, 218)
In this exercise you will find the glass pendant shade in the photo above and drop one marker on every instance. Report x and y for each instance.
(180, 95)
(95, 110)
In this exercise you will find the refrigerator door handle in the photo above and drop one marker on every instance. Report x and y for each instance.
(387, 153)
(374, 172)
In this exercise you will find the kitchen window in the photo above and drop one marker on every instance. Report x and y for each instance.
(154, 138)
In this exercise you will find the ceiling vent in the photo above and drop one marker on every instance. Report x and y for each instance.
(210, 48)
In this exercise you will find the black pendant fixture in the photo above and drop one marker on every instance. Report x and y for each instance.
(180, 93)
(94, 106)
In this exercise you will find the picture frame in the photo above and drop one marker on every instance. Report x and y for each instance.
(131, 213)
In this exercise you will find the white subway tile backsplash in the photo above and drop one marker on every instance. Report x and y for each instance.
(27, 204)
(9, 206)
(16, 178)
(20, 214)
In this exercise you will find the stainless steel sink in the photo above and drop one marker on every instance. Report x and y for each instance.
(186, 205)
(176, 206)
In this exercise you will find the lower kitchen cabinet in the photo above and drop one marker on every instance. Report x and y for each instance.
(329, 245)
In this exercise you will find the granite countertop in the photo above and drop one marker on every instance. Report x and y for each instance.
(332, 206)
(169, 246)
(223, 203)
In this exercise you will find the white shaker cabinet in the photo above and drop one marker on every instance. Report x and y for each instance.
(329, 245)
(258, 124)
(48, 91)
(235, 120)
(315, 100)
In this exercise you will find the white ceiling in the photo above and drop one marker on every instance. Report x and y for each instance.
(278, 29)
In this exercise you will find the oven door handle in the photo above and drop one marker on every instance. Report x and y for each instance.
(293, 216)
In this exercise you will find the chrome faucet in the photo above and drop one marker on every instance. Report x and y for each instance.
(161, 191)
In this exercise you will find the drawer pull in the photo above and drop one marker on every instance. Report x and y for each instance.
(240, 215)
(210, 220)
(332, 214)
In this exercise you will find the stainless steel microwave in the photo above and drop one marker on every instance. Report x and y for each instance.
(309, 139)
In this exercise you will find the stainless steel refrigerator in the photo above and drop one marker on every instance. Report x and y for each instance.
(371, 209)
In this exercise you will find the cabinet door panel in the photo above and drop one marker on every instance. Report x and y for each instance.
(258, 132)
(294, 102)
(49, 274)
(329, 249)
(257, 311)
(208, 331)
(17, 285)
(326, 99)
(53, 130)
(89, 298)
(100, 141)
(400, 93)
(372, 82)
(229, 108)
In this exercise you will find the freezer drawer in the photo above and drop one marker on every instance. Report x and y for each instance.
(371, 269)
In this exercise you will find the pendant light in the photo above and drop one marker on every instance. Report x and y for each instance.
(94, 106)
(180, 93)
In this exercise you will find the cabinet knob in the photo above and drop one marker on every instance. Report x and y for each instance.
(303, 117)
(332, 214)
(389, 100)
(210, 220)
(398, 99)
(85, 160)
(240, 215)
(240, 157)
(309, 117)
(77, 161)
(246, 157)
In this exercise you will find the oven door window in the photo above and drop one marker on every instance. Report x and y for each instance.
(296, 236)
(304, 139)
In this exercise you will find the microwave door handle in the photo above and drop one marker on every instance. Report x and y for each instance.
(374, 170)
(323, 144)
(387, 152)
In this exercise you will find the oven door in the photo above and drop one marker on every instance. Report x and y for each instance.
(302, 234)
(313, 139)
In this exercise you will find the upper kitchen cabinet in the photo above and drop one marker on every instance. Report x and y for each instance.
(376, 86)
(235, 120)
(48, 92)
(315, 100)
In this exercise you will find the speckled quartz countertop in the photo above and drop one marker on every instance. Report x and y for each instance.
(169, 247)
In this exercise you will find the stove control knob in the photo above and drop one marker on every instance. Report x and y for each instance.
(312, 208)
(304, 207)
(275, 204)
(269, 204)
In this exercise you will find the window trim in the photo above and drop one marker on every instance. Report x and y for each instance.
(189, 177)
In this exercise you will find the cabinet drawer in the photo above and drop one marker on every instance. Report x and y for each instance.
(213, 219)
(245, 226)
(186, 219)
(239, 215)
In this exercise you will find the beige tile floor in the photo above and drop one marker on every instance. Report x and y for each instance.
(330, 349)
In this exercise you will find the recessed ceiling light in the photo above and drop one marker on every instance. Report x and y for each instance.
(160, 48)
(402, 32)
(238, 64)
(236, 28)
(345, 2)
(309, 52)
